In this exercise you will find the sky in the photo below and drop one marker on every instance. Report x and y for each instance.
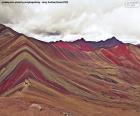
(93, 20)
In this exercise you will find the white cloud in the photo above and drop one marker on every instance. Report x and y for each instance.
(91, 19)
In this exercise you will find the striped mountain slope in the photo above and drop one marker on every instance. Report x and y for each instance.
(73, 77)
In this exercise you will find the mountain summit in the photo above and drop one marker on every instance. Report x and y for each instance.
(68, 78)
(111, 42)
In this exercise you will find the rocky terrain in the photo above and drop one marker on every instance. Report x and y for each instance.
(79, 78)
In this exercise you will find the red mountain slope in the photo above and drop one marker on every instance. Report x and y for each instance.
(72, 77)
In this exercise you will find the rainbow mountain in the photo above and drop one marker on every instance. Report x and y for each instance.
(79, 78)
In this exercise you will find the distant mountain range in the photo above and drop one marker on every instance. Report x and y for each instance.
(83, 78)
